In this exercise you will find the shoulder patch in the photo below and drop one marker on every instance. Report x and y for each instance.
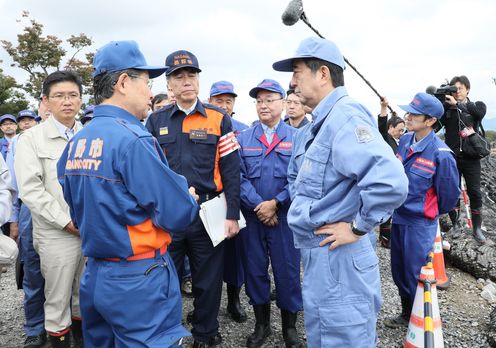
(364, 134)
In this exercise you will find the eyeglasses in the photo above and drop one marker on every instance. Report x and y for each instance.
(61, 96)
(295, 102)
(147, 81)
(267, 102)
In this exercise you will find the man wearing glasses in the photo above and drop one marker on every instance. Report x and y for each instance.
(55, 237)
(199, 143)
(265, 153)
(295, 111)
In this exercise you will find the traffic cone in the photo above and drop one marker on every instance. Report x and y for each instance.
(443, 280)
(424, 329)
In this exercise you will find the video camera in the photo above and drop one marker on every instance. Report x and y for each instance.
(441, 92)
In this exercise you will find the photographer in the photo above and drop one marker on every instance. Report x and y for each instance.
(461, 114)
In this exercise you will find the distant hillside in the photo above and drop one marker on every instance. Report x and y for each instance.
(489, 123)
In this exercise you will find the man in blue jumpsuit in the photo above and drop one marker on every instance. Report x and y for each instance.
(223, 96)
(265, 153)
(126, 202)
(199, 143)
(433, 190)
(344, 181)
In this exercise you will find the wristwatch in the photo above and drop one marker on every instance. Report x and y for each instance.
(357, 232)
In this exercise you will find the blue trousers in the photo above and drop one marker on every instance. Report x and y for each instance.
(33, 282)
(341, 295)
(131, 303)
(233, 263)
(207, 267)
(261, 243)
(410, 246)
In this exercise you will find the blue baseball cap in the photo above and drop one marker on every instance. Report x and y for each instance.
(268, 85)
(122, 55)
(424, 104)
(181, 59)
(88, 114)
(222, 87)
(313, 47)
(26, 113)
(7, 117)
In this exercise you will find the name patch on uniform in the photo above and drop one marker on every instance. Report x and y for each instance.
(285, 145)
(425, 162)
(364, 134)
(163, 131)
(198, 134)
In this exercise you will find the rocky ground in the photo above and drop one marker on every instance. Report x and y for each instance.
(464, 313)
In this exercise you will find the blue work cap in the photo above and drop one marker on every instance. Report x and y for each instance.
(7, 117)
(222, 87)
(313, 47)
(122, 55)
(181, 59)
(268, 85)
(26, 113)
(424, 104)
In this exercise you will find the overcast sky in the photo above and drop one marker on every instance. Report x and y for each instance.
(400, 46)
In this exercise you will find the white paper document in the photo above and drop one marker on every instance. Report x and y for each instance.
(213, 215)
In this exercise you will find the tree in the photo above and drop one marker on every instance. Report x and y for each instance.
(11, 99)
(40, 55)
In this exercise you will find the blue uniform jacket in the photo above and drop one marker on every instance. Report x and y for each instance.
(342, 170)
(433, 189)
(264, 167)
(4, 147)
(238, 126)
(121, 192)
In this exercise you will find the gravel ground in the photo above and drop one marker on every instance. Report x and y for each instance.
(465, 315)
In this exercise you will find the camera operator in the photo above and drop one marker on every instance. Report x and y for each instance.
(461, 113)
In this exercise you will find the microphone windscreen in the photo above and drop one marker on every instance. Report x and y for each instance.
(293, 12)
(431, 90)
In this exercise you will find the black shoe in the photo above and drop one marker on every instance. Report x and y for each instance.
(212, 342)
(190, 316)
(262, 326)
(236, 312)
(477, 227)
(62, 341)
(35, 341)
(403, 319)
(289, 329)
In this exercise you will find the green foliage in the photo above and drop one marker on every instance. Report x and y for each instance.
(40, 55)
(11, 99)
(491, 135)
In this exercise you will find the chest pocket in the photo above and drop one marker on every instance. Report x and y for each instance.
(310, 180)
(49, 161)
(420, 179)
(282, 162)
(169, 146)
(252, 160)
(204, 151)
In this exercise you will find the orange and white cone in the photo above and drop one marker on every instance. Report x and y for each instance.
(443, 279)
(424, 330)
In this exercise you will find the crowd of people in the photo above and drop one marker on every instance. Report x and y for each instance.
(106, 208)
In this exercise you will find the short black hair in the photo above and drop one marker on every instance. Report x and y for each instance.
(158, 98)
(289, 92)
(462, 79)
(103, 84)
(337, 75)
(61, 76)
(394, 121)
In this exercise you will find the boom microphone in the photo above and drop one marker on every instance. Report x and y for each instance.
(293, 12)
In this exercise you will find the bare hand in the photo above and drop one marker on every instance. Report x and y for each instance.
(72, 229)
(192, 192)
(450, 100)
(272, 222)
(266, 210)
(340, 233)
(231, 228)
(14, 230)
(384, 105)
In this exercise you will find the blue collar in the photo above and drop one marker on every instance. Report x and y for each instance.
(422, 144)
(107, 110)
